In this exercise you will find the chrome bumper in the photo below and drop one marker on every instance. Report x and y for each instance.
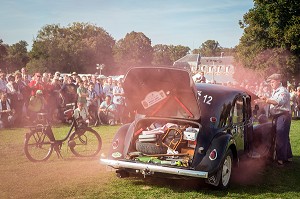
(151, 169)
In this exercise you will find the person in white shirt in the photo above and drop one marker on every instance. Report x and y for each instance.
(81, 114)
(3, 82)
(280, 108)
(118, 100)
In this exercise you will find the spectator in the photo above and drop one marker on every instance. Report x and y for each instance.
(56, 75)
(201, 78)
(12, 90)
(82, 93)
(98, 89)
(92, 105)
(36, 84)
(25, 77)
(6, 112)
(118, 100)
(69, 91)
(36, 105)
(81, 115)
(23, 97)
(108, 87)
(55, 100)
(3, 82)
(296, 100)
(73, 77)
(107, 111)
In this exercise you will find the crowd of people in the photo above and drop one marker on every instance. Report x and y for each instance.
(22, 97)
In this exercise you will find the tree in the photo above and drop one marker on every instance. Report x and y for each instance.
(17, 56)
(177, 52)
(134, 50)
(3, 54)
(270, 42)
(78, 47)
(161, 55)
(209, 48)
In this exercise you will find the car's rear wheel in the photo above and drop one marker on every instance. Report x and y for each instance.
(226, 170)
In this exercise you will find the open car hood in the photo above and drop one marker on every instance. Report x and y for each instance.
(161, 92)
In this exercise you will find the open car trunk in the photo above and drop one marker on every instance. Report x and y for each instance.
(162, 146)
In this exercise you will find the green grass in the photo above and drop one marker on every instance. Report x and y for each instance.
(73, 177)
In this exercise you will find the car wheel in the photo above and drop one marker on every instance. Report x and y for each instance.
(150, 148)
(226, 170)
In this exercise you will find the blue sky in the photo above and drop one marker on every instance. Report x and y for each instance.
(177, 22)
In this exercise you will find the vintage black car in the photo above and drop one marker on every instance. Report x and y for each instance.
(182, 129)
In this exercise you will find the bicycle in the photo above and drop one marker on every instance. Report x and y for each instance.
(40, 141)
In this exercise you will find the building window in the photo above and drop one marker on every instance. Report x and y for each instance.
(227, 69)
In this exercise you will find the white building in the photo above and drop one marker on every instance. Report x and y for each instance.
(219, 69)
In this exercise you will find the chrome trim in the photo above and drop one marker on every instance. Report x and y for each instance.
(117, 164)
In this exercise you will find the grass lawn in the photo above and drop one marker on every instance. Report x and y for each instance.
(73, 177)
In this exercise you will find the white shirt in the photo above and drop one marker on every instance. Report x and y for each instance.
(83, 113)
(118, 99)
(282, 96)
(3, 87)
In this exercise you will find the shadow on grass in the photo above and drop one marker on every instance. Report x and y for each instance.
(253, 177)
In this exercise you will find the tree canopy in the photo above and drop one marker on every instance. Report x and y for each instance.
(13, 57)
(78, 47)
(270, 42)
(134, 50)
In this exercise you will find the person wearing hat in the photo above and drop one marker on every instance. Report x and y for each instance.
(281, 109)
(73, 77)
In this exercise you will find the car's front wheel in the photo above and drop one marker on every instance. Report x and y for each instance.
(226, 170)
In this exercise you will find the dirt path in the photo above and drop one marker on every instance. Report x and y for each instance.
(20, 178)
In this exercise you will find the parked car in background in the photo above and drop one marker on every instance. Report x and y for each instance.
(183, 129)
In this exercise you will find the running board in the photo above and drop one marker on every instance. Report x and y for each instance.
(117, 164)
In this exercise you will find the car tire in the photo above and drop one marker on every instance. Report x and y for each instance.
(150, 148)
(225, 170)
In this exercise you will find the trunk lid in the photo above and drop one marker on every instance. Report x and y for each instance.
(161, 92)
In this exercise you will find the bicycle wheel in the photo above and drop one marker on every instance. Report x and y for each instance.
(37, 146)
(85, 143)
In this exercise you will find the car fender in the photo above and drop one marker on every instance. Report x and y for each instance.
(221, 143)
(118, 143)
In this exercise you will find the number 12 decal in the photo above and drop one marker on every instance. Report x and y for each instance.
(207, 99)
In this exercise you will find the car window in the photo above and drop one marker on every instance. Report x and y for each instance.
(237, 114)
